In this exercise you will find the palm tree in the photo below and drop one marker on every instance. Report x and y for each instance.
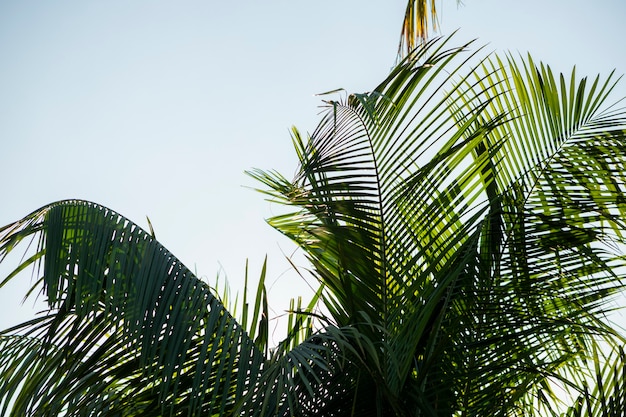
(464, 221)
(470, 230)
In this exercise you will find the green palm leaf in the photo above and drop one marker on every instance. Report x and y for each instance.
(130, 330)
(465, 222)
(608, 397)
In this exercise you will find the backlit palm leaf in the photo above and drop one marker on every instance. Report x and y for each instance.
(415, 26)
(464, 223)
(450, 220)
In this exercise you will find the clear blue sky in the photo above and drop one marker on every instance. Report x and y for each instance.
(155, 108)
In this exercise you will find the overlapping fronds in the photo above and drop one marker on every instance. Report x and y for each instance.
(607, 397)
(129, 331)
(464, 220)
(468, 220)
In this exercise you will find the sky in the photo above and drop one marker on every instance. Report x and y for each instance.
(156, 108)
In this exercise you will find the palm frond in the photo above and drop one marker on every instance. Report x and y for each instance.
(446, 208)
(607, 398)
(415, 26)
(420, 22)
(557, 201)
(129, 329)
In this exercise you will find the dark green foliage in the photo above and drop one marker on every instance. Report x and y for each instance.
(464, 221)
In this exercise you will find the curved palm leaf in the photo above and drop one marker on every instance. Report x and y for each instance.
(464, 227)
(415, 26)
(558, 187)
(445, 223)
(130, 331)
(608, 398)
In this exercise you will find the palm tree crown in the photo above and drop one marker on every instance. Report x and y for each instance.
(464, 221)
(468, 225)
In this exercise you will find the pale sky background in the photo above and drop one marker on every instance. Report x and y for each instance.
(156, 108)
